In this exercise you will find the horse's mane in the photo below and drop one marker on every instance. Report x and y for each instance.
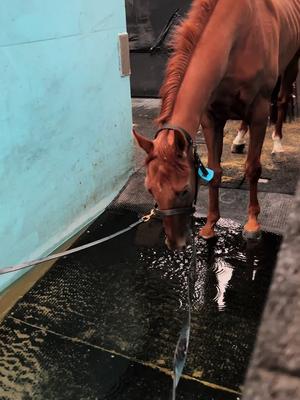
(183, 43)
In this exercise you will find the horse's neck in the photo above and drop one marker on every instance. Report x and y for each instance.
(207, 68)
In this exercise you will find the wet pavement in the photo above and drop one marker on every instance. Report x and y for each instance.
(103, 323)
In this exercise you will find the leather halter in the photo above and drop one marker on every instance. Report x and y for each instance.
(197, 163)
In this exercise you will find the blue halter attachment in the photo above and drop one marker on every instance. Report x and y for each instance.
(206, 174)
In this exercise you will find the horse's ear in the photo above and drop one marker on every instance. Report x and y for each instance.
(143, 142)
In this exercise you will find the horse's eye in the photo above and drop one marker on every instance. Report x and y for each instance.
(183, 193)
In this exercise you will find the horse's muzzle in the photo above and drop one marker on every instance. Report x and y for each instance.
(179, 245)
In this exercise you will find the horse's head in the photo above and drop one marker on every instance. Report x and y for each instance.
(171, 180)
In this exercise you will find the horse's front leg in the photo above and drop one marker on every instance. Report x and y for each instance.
(258, 127)
(213, 132)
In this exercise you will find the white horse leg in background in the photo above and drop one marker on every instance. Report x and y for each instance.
(239, 142)
(285, 96)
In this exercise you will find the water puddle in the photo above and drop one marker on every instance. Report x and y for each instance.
(229, 279)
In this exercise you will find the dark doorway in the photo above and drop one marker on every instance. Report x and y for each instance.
(149, 24)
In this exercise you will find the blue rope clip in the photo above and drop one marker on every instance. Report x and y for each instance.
(206, 174)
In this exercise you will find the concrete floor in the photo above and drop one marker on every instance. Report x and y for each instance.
(103, 323)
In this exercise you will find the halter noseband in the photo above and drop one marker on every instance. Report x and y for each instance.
(197, 163)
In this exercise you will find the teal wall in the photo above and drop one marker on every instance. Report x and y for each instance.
(65, 121)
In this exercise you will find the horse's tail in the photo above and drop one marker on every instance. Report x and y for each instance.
(289, 107)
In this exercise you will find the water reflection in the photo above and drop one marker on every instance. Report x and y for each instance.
(223, 272)
(224, 265)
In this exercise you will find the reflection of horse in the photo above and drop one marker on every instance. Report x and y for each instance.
(221, 69)
(243, 269)
(281, 97)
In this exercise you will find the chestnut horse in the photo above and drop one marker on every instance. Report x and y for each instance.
(227, 57)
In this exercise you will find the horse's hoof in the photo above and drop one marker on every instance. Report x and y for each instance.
(206, 235)
(278, 157)
(277, 144)
(252, 235)
(238, 148)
